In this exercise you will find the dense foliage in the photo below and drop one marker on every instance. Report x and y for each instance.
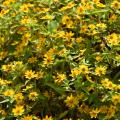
(59, 59)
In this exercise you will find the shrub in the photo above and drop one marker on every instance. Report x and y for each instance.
(60, 59)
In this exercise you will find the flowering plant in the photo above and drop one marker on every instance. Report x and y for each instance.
(59, 59)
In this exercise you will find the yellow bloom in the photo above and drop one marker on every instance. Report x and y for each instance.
(29, 74)
(115, 4)
(75, 72)
(79, 40)
(91, 26)
(111, 112)
(18, 110)
(71, 101)
(113, 18)
(48, 60)
(113, 39)
(24, 8)
(60, 78)
(83, 108)
(68, 6)
(101, 26)
(108, 84)
(80, 10)
(94, 113)
(3, 12)
(69, 35)
(116, 99)
(28, 117)
(25, 20)
(65, 19)
(3, 54)
(19, 97)
(47, 118)
(32, 60)
(101, 70)
(33, 96)
(9, 92)
(2, 112)
(39, 75)
(83, 29)
(98, 58)
(83, 69)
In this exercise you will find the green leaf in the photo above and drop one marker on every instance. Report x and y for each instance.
(52, 26)
(58, 89)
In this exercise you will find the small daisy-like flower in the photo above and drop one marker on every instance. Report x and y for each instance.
(28, 117)
(60, 78)
(71, 101)
(101, 70)
(18, 110)
(33, 96)
(83, 69)
(29, 74)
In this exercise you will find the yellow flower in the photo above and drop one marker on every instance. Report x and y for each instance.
(107, 84)
(83, 108)
(101, 26)
(3, 12)
(24, 8)
(60, 78)
(9, 92)
(113, 39)
(29, 74)
(69, 35)
(101, 70)
(3, 54)
(83, 69)
(115, 4)
(111, 112)
(96, 1)
(18, 110)
(19, 97)
(6, 3)
(94, 113)
(98, 58)
(75, 72)
(113, 18)
(28, 117)
(71, 101)
(39, 75)
(48, 60)
(25, 20)
(80, 10)
(65, 19)
(33, 96)
(47, 118)
(32, 60)
(91, 26)
(79, 40)
(83, 29)
(116, 99)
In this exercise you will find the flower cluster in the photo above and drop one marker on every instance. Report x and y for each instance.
(59, 59)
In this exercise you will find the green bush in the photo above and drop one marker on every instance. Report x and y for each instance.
(59, 59)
